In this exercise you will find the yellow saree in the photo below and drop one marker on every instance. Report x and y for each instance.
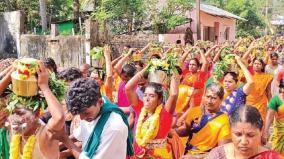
(258, 97)
(183, 97)
(277, 137)
(207, 137)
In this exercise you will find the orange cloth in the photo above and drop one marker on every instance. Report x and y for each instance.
(208, 137)
(193, 113)
(116, 81)
(106, 92)
(176, 146)
(257, 97)
(183, 97)
(196, 81)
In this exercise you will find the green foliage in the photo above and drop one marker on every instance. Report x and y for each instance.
(125, 15)
(57, 86)
(168, 65)
(165, 18)
(97, 53)
(218, 3)
(221, 67)
(252, 10)
(32, 103)
(58, 10)
(119, 14)
(246, 9)
(3, 7)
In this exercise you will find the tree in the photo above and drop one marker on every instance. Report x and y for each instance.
(76, 9)
(118, 16)
(8, 5)
(164, 17)
(218, 3)
(60, 10)
(246, 9)
(251, 10)
(43, 16)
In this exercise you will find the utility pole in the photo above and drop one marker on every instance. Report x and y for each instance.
(198, 19)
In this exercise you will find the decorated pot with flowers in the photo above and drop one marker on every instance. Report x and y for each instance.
(24, 82)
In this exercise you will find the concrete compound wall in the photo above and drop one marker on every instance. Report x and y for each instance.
(66, 51)
(11, 27)
(135, 41)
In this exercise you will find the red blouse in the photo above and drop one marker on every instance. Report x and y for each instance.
(166, 119)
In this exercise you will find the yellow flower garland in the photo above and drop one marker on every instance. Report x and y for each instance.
(147, 130)
(28, 148)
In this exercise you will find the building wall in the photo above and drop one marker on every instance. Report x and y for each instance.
(135, 41)
(171, 38)
(67, 51)
(11, 26)
(209, 20)
(219, 23)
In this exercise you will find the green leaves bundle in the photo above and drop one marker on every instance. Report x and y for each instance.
(204, 44)
(226, 64)
(97, 53)
(192, 50)
(225, 52)
(168, 64)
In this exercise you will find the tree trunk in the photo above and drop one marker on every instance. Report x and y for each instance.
(130, 24)
(129, 21)
(105, 32)
(76, 9)
(43, 17)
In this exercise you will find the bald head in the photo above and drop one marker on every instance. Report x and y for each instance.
(84, 68)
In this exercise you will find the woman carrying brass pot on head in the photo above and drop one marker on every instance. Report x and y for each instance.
(154, 117)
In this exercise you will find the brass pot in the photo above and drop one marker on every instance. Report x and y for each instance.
(158, 76)
(26, 87)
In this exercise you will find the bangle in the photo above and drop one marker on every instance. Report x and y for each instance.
(131, 110)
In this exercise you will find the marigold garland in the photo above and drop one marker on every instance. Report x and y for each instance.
(28, 148)
(148, 129)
